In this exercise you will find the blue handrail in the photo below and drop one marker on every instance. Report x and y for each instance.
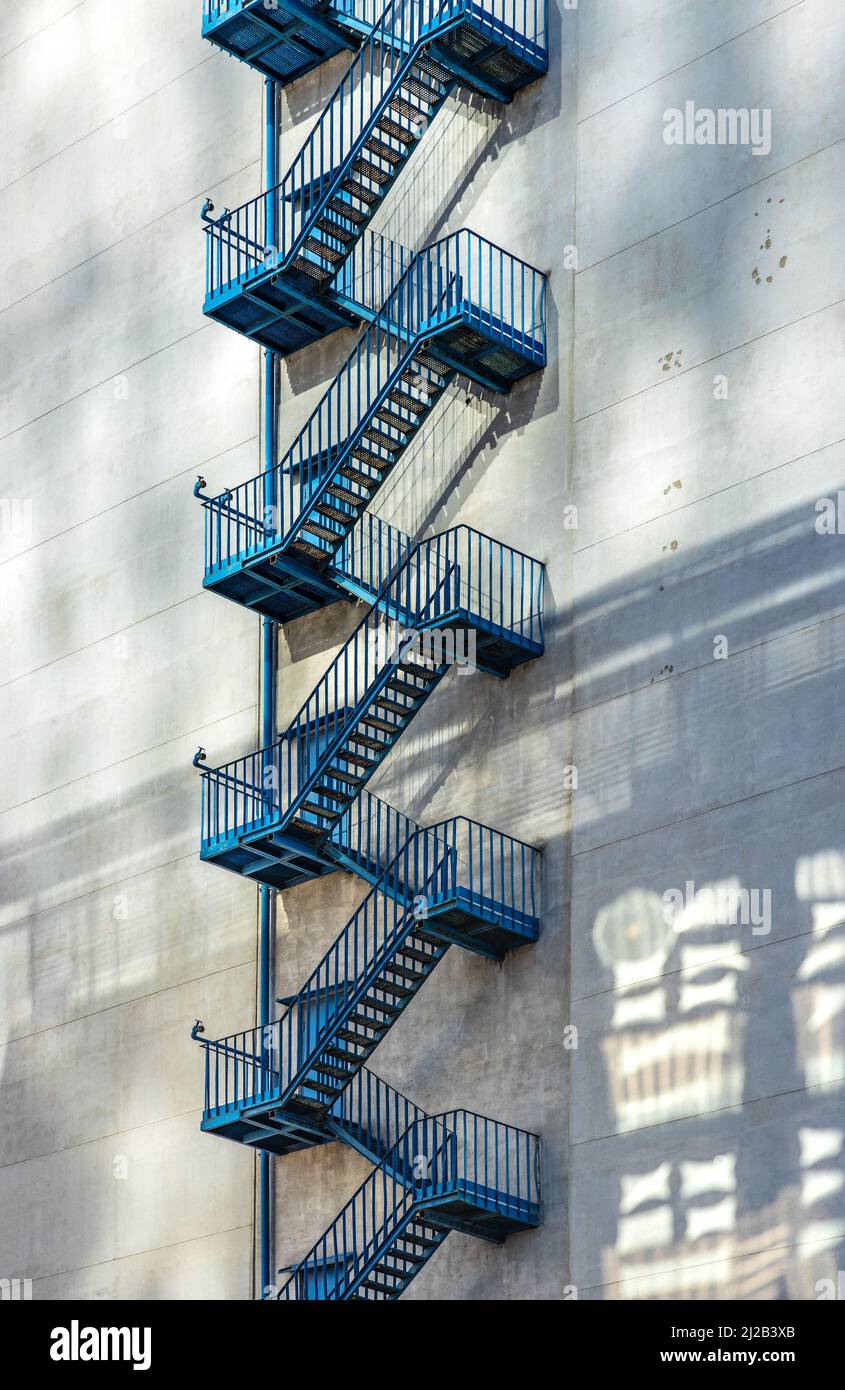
(461, 276)
(241, 243)
(457, 1154)
(459, 576)
(496, 874)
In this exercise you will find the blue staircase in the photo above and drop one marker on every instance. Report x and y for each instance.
(277, 542)
(288, 266)
(269, 815)
(456, 883)
(452, 1172)
(285, 269)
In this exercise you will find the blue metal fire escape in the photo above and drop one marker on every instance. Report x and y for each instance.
(285, 269)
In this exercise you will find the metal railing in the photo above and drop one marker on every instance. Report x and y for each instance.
(496, 874)
(373, 1115)
(462, 275)
(459, 577)
(272, 1061)
(478, 1161)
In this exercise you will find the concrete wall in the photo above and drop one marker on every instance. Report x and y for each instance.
(486, 1037)
(707, 1131)
(114, 664)
(693, 1141)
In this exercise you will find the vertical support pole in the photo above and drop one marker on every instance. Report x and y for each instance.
(268, 671)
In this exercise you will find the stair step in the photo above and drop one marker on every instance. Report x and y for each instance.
(371, 171)
(319, 248)
(358, 759)
(312, 1085)
(378, 744)
(417, 955)
(383, 725)
(341, 1053)
(316, 272)
(386, 152)
(430, 1229)
(422, 90)
(370, 457)
(390, 987)
(389, 417)
(379, 1287)
(330, 1069)
(315, 810)
(415, 1261)
(431, 364)
(365, 480)
(434, 69)
(308, 549)
(344, 209)
(406, 688)
(349, 1035)
(325, 532)
(403, 107)
(392, 706)
(380, 1007)
(425, 673)
(428, 938)
(334, 792)
(335, 514)
(422, 1241)
(408, 402)
(395, 130)
(350, 779)
(332, 228)
(417, 976)
(385, 441)
(360, 191)
(344, 495)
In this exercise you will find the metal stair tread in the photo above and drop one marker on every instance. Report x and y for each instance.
(355, 758)
(407, 108)
(384, 151)
(371, 171)
(336, 793)
(335, 514)
(315, 810)
(327, 253)
(344, 209)
(359, 190)
(423, 91)
(325, 532)
(371, 458)
(433, 69)
(349, 778)
(412, 403)
(396, 422)
(307, 548)
(316, 272)
(333, 228)
(395, 130)
(363, 479)
(344, 495)
(383, 725)
(380, 437)
(406, 688)
(391, 987)
(426, 673)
